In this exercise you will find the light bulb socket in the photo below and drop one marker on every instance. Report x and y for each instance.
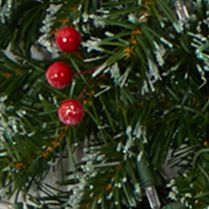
(144, 173)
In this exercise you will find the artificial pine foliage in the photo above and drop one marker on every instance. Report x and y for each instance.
(140, 71)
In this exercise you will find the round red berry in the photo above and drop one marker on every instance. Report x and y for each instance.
(68, 39)
(70, 112)
(59, 75)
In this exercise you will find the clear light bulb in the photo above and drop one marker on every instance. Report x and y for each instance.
(152, 197)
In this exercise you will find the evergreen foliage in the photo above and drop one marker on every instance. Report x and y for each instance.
(141, 73)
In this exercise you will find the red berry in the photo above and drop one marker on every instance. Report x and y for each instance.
(70, 112)
(68, 39)
(59, 75)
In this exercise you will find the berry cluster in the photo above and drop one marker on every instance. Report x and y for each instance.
(60, 75)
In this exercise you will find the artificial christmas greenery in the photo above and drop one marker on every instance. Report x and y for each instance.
(141, 74)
